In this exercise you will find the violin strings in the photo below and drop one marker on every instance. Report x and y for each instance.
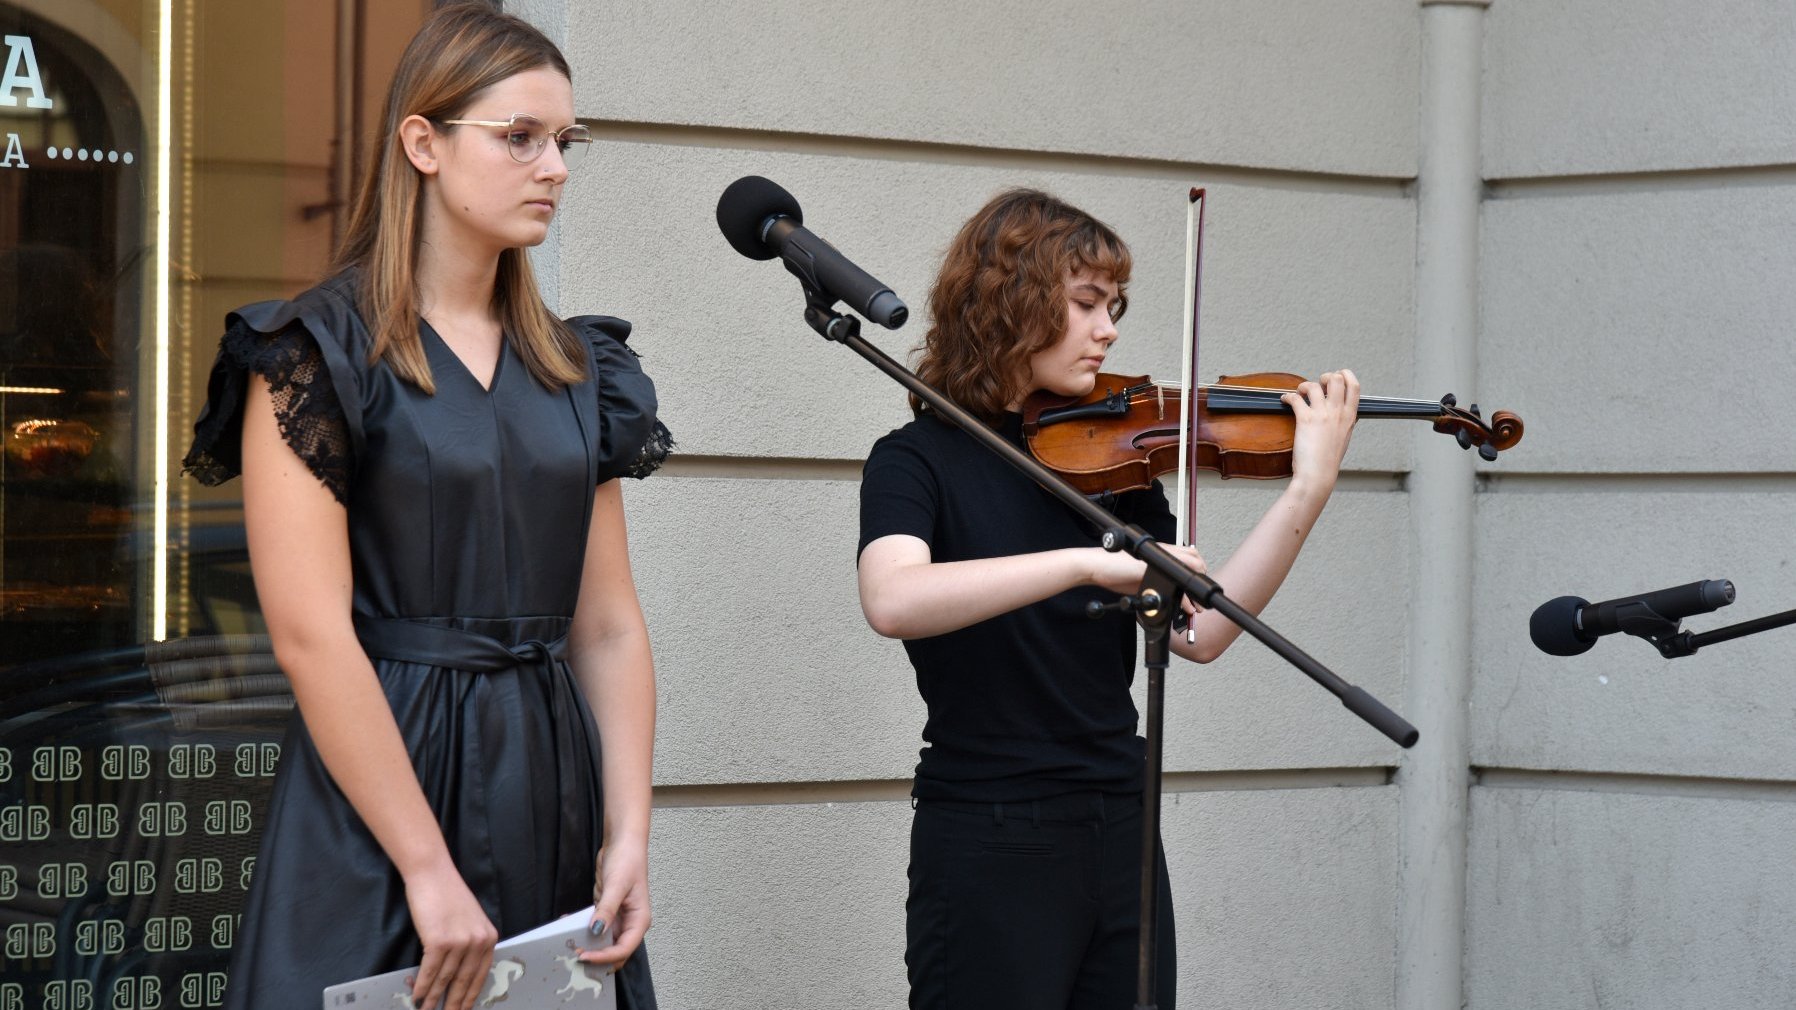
(1270, 393)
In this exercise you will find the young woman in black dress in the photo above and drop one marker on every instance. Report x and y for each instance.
(437, 538)
(1024, 872)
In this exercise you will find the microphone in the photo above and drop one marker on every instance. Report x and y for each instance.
(762, 221)
(1570, 625)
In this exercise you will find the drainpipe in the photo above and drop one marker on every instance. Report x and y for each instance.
(1434, 775)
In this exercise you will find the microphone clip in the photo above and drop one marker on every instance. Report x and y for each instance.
(820, 312)
(1642, 621)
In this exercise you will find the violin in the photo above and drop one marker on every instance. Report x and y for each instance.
(1128, 430)
(1125, 432)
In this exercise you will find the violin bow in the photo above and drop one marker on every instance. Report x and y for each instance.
(1186, 514)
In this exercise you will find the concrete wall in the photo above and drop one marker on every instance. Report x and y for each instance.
(1627, 303)
(1628, 829)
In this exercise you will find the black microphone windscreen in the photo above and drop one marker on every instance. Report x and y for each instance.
(745, 206)
(1554, 627)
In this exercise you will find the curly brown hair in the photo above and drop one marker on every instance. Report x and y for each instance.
(1001, 295)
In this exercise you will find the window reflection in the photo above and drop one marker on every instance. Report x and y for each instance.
(70, 290)
(133, 774)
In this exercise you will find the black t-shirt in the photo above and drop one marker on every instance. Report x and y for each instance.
(1032, 703)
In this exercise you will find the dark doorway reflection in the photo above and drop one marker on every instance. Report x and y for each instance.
(71, 290)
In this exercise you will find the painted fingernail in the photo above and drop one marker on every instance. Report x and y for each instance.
(597, 928)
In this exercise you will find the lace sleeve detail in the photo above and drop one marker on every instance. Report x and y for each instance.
(655, 451)
(632, 440)
(306, 407)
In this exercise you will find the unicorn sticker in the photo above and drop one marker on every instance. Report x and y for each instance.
(578, 980)
(498, 981)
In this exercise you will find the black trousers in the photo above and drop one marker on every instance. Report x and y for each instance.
(1032, 906)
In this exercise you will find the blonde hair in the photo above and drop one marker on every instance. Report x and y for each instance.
(461, 50)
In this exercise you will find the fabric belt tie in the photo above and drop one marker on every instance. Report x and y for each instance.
(436, 645)
(458, 649)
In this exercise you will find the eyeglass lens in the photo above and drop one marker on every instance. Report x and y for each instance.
(528, 136)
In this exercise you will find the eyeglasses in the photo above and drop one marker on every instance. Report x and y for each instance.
(526, 136)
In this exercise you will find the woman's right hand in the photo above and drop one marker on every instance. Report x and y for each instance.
(458, 939)
(1121, 572)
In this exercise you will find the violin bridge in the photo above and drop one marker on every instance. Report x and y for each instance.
(1160, 392)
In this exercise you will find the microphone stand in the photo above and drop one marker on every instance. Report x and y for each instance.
(1154, 605)
(1673, 644)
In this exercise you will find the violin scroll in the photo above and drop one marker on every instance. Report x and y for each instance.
(1469, 428)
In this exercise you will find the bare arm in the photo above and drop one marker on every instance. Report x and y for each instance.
(906, 595)
(299, 554)
(609, 653)
(1325, 412)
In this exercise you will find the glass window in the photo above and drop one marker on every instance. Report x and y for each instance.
(163, 162)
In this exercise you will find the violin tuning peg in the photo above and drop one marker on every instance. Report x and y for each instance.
(1449, 400)
(1487, 452)
(1464, 438)
(1474, 411)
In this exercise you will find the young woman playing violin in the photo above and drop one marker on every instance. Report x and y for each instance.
(1025, 843)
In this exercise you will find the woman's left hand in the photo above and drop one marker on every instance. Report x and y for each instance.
(1326, 410)
(621, 900)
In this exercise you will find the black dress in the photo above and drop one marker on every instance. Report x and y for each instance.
(467, 515)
